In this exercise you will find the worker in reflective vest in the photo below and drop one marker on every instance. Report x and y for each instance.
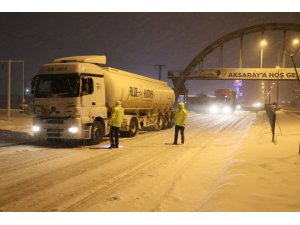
(115, 122)
(179, 120)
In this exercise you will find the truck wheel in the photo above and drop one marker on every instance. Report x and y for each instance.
(160, 122)
(165, 121)
(96, 135)
(133, 127)
(170, 124)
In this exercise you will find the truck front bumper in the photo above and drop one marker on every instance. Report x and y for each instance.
(70, 128)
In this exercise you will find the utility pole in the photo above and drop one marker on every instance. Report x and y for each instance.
(159, 67)
(9, 62)
(8, 90)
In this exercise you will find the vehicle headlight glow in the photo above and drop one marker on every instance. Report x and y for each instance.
(226, 109)
(257, 104)
(213, 109)
(238, 107)
(73, 130)
(36, 128)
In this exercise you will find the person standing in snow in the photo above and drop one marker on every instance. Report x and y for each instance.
(179, 120)
(115, 122)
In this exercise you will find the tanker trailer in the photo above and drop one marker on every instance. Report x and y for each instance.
(74, 96)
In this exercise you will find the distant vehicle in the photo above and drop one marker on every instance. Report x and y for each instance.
(253, 105)
(73, 98)
(223, 102)
(197, 103)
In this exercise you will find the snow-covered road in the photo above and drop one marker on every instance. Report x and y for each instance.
(147, 173)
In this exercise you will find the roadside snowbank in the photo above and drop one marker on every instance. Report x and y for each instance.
(266, 175)
(17, 129)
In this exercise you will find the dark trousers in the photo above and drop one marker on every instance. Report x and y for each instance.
(114, 133)
(177, 129)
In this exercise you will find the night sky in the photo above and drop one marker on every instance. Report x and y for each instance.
(135, 41)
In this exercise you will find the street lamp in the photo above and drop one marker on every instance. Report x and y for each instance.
(296, 42)
(263, 43)
(277, 67)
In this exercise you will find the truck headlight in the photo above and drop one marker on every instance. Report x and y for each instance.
(226, 109)
(213, 109)
(73, 130)
(256, 105)
(36, 128)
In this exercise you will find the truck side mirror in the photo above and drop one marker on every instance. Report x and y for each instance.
(32, 85)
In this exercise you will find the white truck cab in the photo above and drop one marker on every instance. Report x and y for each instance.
(69, 99)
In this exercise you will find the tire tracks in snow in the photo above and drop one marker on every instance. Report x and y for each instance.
(86, 183)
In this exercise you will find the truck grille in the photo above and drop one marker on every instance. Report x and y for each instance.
(54, 132)
(55, 121)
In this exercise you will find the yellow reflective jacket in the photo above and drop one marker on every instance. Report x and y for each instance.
(180, 116)
(117, 116)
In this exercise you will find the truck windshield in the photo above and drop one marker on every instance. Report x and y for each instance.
(221, 98)
(57, 85)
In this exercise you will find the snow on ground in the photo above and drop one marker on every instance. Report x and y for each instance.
(266, 175)
(17, 129)
(228, 163)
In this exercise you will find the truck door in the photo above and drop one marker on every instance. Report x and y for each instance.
(87, 89)
(93, 97)
(98, 98)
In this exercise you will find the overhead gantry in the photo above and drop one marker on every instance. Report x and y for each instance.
(195, 70)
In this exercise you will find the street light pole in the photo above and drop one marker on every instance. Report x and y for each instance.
(277, 84)
(263, 43)
(295, 43)
(8, 91)
(23, 89)
(263, 92)
(261, 56)
(9, 62)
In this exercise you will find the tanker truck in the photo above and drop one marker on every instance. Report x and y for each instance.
(73, 98)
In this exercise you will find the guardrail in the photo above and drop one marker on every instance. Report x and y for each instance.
(271, 113)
